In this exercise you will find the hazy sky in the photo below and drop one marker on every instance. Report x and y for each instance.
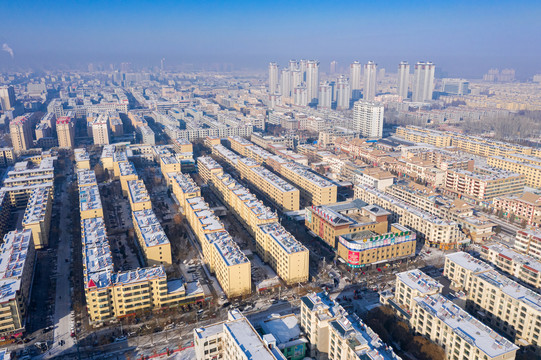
(461, 37)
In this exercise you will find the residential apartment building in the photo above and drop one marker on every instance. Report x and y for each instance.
(183, 187)
(37, 216)
(220, 251)
(330, 329)
(20, 131)
(461, 335)
(152, 239)
(460, 267)
(522, 267)
(138, 196)
(435, 232)
(82, 159)
(90, 202)
(16, 274)
(507, 306)
(529, 242)
(530, 170)
(208, 167)
(283, 194)
(285, 254)
(483, 186)
(410, 285)
(234, 338)
(526, 207)
(314, 188)
(126, 172)
(65, 130)
(100, 130)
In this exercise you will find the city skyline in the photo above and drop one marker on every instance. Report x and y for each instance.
(463, 39)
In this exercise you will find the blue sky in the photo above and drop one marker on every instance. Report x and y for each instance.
(461, 37)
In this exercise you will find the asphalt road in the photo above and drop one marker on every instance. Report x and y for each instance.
(61, 322)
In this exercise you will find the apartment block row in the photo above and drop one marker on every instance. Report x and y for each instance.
(472, 144)
(220, 252)
(313, 187)
(114, 294)
(418, 298)
(274, 244)
(501, 302)
(436, 232)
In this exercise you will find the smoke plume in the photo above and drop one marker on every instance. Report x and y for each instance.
(6, 48)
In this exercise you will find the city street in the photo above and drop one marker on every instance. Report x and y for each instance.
(62, 322)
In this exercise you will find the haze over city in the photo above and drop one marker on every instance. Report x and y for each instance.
(464, 38)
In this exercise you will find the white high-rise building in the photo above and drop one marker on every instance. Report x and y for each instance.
(423, 82)
(302, 67)
(300, 95)
(403, 79)
(273, 78)
(312, 80)
(342, 93)
(285, 83)
(334, 66)
(325, 96)
(293, 65)
(355, 80)
(455, 86)
(370, 81)
(368, 119)
(296, 79)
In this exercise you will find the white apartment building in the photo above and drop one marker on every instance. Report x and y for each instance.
(368, 119)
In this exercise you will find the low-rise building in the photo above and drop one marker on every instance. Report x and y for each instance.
(330, 329)
(152, 239)
(169, 164)
(520, 164)
(107, 156)
(90, 202)
(366, 248)
(410, 285)
(483, 185)
(208, 167)
(183, 187)
(375, 177)
(126, 173)
(330, 221)
(285, 254)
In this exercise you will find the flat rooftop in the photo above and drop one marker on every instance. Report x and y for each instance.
(308, 175)
(509, 254)
(184, 182)
(468, 262)
(89, 198)
(467, 327)
(127, 168)
(208, 162)
(13, 256)
(150, 228)
(274, 179)
(283, 238)
(227, 248)
(418, 280)
(86, 177)
(138, 191)
(36, 207)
